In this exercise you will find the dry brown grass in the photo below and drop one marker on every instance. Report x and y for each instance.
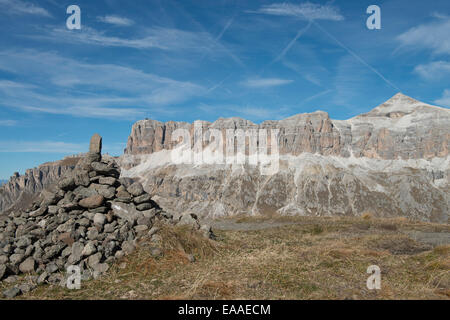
(311, 258)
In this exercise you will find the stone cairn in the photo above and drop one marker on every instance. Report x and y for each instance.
(91, 218)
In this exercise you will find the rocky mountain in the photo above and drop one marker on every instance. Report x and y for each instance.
(391, 161)
(396, 129)
(20, 190)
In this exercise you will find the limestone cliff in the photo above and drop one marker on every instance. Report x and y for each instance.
(20, 190)
(391, 161)
(401, 128)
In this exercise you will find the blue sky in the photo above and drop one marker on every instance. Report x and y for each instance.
(188, 60)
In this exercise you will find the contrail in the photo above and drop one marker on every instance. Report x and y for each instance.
(225, 29)
(357, 57)
(288, 47)
(312, 21)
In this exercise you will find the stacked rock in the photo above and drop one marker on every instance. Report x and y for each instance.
(91, 218)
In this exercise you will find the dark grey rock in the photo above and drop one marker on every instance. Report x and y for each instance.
(85, 192)
(92, 233)
(99, 210)
(144, 206)
(81, 178)
(110, 181)
(11, 293)
(16, 258)
(51, 268)
(27, 287)
(136, 189)
(67, 183)
(141, 199)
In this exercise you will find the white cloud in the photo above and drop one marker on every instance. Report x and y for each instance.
(87, 90)
(167, 39)
(22, 8)
(91, 36)
(445, 99)
(116, 20)
(265, 82)
(303, 11)
(41, 146)
(432, 36)
(433, 71)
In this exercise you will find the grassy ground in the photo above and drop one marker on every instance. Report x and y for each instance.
(299, 258)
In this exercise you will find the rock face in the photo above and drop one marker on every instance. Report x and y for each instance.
(82, 221)
(392, 161)
(401, 128)
(21, 190)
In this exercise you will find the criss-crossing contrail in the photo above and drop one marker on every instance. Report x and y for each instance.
(351, 52)
(288, 47)
(357, 57)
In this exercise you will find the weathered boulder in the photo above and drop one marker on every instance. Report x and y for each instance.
(110, 181)
(16, 258)
(81, 178)
(190, 220)
(126, 211)
(128, 247)
(89, 249)
(12, 292)
(85, 192)
(67, 183)
(123, 196)
(105, 169)
(28, 265)
(136, 189)
(92, 202)
(99, 219)
(95, 146)
(144, 206)
(141, 199)
(76, 253)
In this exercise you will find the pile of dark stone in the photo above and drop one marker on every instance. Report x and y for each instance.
(90, 219)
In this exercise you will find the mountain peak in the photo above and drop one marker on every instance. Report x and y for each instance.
(396, 107)
(400, 99)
